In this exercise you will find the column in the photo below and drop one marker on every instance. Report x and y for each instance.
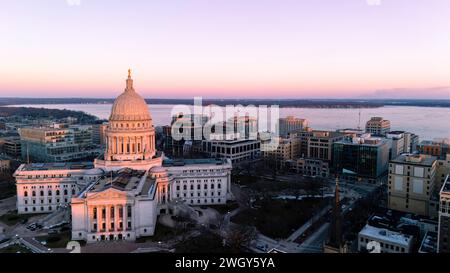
(107, 219)
(99, 217)
(124, 217)
(90, 218)
(116, 217)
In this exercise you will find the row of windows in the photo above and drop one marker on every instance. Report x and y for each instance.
(199, 171)
(34, 209)
(127, 125)
(198, 194)
(385, 245)
(49, 193)
(51, 176)
(111, 227)
(205, 186)
(42, 201)
(49, 187)
(199, 181)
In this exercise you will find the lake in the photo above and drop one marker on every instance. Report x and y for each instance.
(427, 122)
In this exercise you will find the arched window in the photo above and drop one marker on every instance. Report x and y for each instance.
(57, 192)
(42, 193)
(65, 192)
(25, 194)
(33, 193)
(49, 193)
(73, 191)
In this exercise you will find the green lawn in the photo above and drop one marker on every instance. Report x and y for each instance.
(59, 240)
(15, 249)
(12, 218)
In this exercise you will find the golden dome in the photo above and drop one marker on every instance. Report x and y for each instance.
(129, 106)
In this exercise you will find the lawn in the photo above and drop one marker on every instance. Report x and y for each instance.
(205, 243)
(224, 209)
(255, 183)
(16, 248)
(279, 218)
(12, 218)
(162, 233)
(58, 240)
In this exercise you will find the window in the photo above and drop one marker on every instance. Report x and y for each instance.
(33, 193)
(57, 192)
(25, 194)
(129, 211)
(65, 192)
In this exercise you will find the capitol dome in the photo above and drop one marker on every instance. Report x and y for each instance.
(130, 135)
(130, 106)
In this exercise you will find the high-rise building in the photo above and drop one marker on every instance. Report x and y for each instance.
(291, 124)
(11, 146)
(280, 151)
(56, 145)
(98, 134)
(412, 184)
(438, 147)
(377, 126)
(361, 158)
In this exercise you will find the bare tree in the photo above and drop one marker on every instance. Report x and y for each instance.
(241, 236)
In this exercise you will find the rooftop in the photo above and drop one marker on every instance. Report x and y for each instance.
(182, 162)
(124, 179)
(415, 159)
(386, 235)
(58, 166)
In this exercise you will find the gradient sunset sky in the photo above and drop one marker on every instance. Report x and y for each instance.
(226, 48)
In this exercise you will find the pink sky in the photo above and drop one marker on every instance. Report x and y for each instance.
(225, 48)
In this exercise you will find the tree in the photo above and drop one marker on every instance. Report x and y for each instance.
(241, 236)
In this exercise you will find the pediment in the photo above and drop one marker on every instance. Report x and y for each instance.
(108, 194)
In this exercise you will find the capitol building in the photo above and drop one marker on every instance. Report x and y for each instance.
(120, 194)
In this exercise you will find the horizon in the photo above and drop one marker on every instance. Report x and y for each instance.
(227, 49)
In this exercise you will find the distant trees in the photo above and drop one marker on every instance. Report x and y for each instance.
(28, 112)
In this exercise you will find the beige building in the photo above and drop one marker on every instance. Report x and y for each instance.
(280, 151)
(291, 124)
(412, 182)
(377, 126)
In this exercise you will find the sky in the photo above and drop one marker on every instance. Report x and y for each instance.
(226, 48)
